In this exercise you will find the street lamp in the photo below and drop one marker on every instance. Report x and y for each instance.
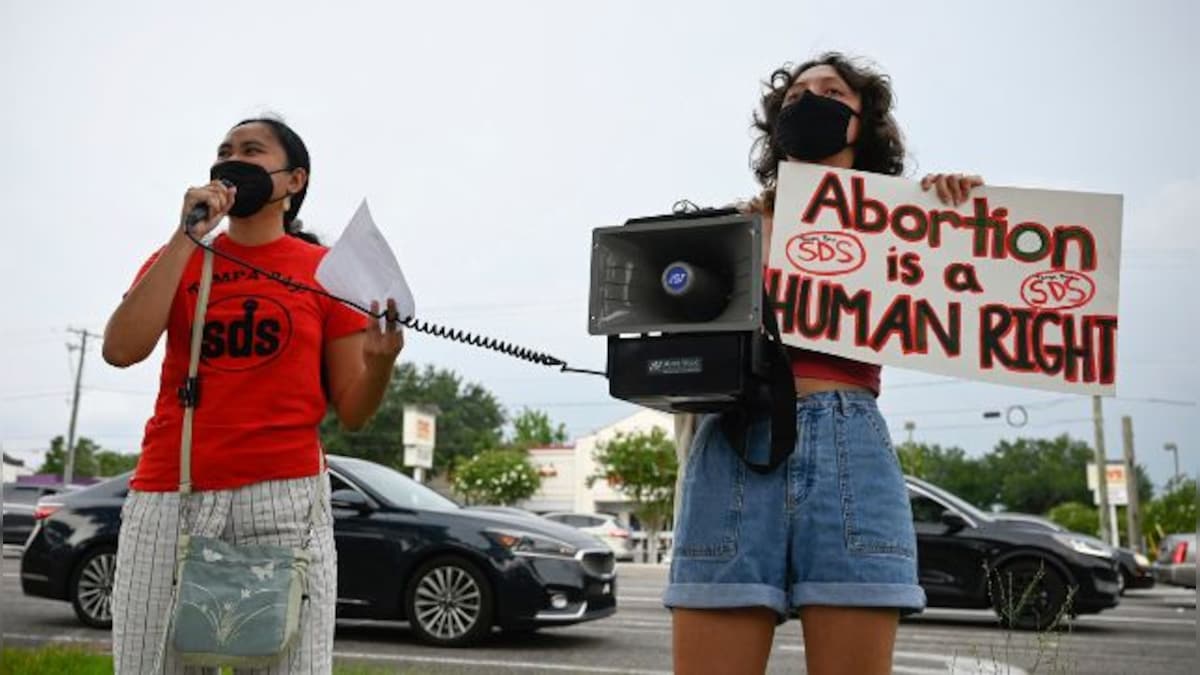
(909, 426)
(1171, 447)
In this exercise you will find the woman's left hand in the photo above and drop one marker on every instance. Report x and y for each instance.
(952, 188)
(383, 345)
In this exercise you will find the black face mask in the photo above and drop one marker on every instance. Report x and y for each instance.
(253, 183)
(812, 128)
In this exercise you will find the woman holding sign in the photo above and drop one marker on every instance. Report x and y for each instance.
(274, 359)
(828, 535)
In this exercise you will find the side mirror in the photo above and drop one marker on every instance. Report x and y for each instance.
(350, 499)
(954, 521)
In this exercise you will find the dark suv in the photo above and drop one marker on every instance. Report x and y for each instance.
(1031, 577)
(20, 505)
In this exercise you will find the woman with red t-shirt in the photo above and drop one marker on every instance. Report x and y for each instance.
(827, 535)
(272, 360)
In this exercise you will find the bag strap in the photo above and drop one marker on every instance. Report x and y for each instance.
(315, 506)
(189, 393)
(783, 391)
(777, 394)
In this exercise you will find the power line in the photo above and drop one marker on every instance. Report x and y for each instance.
(981, 425)
(1160, 401)
(918, 385)
(50, 434)
(123, 392)
(22, 397)
(1033, 405)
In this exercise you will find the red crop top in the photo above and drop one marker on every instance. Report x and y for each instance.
(806, 363)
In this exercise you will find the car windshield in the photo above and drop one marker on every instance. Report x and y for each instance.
(954, 501)
(395, 487)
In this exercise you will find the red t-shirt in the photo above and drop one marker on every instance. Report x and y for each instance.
(261, 393)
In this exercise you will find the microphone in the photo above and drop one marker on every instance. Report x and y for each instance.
(199, 212)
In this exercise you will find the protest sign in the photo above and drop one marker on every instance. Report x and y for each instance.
(1014, 286)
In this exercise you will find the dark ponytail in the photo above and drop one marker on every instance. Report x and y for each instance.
(296, 229)
(297, 157)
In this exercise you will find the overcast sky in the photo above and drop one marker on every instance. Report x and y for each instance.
(491, 137)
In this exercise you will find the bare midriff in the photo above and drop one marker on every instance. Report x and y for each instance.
(812, 385)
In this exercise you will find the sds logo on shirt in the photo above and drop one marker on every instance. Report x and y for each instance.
(245, 331)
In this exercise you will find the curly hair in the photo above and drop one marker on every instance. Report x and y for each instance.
(880, 146)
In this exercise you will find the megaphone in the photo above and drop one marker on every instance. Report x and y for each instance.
(680, 298)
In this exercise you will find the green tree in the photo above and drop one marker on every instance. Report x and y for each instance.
(470, 419)
(502, 477)
(643, 467)
(109, 463)
(1036, 474)
(56, 457)
(1174, 511)
(1145, 486)
(950, 469)
(1076, 517)
(533, 428)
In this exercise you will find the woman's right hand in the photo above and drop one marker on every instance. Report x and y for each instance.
(218, 197)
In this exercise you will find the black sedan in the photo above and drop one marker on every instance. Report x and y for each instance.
(1032, 578)
(1135, 567)
(404, 553)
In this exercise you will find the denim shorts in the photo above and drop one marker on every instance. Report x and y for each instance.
(831, 526)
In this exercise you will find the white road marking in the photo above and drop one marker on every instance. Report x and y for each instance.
(1088, 618)
(493, 663)
(948, 665)
(34, 637)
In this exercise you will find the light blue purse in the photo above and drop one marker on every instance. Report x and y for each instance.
(232, 605)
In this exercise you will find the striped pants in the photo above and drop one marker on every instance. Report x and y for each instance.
(274, 512)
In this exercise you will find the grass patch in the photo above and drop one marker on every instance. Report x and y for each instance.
(56, 660)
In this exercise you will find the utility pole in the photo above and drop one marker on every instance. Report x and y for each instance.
(1133, 516)
(1106, 523)
(69, 465)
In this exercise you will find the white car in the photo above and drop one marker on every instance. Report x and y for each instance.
(603, 526)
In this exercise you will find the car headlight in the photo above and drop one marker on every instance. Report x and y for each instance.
(529, 544)
(1085, 546)
(1141, 560)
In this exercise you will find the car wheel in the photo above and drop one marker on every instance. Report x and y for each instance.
(1029, 594)
(92, 585)
(449, 602)
(1122, 582)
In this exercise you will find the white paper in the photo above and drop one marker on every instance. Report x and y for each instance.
(362, 267)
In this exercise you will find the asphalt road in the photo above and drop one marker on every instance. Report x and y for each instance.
(1151, 632)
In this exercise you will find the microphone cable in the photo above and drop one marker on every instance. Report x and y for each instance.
(428, 328)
